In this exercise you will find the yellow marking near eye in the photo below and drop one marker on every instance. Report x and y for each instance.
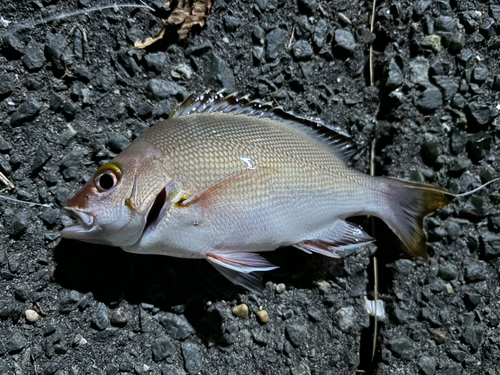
(115, 167)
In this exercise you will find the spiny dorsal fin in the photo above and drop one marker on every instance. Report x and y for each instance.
(209, 102)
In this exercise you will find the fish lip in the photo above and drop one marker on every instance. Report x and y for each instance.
(84, 221)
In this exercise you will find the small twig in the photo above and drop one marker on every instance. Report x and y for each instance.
(372, 23)
(84, 11)
(49, 205)
(7, 182)
(289, 44)
(322, 10)
(375, 260)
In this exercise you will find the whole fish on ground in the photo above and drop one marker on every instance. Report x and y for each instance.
(224, 178)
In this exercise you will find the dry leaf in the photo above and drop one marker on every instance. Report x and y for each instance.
(184, 17)
(139, 44)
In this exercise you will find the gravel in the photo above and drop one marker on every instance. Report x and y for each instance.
(72, 97)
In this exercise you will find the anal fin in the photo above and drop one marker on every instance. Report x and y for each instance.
(244, 269)
(336, 240)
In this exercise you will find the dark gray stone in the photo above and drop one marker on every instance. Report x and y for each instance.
(307, 6)
(118, 141)
(473, 336)
(73, 158)
(261, 4)
(303, 29)
(302, 50)
(491, 243)
(430, 152)
(419, 68)
(103, 80)
(260, 337)
(480, 74)
(100, 318)
(475, 271)
(404, 266)
(394, 76)
(315, 315)
(177, 326)
(140, 128)
(402, 347)
(345, 44)
(320, 33)
(145, 111)
(448, 85)
(50, 216)
(479, 145)
(16, 343)
(456, 354)
(421, 6)
(448, 271)
(231, 23)
(34, 58)
(54, 50)
(296, 334)
(472, 299)
(69, 302)
(162, 348)
(20, 223)
(26, 112)
(172, 370)
(42, 156)
(458, 101)
(276, 41)
(161, 89)
(219, 73)
(457, 42)
(13, 45)
(128, 62)
(430, 100)
(4, 145)
(193, 357)
(83, 74)
(445, 23)
(5, 85)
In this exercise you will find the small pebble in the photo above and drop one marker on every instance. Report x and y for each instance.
(263, 316)
(438, 336)
(241, 311)
(31, 316)
(324, 287)
(280, 288)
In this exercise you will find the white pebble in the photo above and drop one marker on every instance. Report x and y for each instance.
(31, 316)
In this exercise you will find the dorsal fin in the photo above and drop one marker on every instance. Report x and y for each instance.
(209, 102)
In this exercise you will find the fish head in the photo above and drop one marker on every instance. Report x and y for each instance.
(112, 208)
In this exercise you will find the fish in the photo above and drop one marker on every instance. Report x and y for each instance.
(225, 178)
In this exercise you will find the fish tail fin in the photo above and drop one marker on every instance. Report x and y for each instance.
(409, 204)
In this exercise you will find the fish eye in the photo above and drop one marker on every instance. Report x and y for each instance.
(107, 177)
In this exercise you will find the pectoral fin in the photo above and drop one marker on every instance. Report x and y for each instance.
(335, 240)
(233, 188)
(243, 269)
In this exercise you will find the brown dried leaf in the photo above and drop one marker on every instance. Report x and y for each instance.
(139, 44)
(184, 17)
(196, 16)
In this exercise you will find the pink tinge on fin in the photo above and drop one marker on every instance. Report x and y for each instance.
(335, 240)
(242, 269)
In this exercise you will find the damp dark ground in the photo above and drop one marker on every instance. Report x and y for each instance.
(71, 98)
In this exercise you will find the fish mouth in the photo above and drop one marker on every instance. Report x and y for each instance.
(83, 223)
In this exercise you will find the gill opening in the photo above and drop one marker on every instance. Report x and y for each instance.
(156, 213)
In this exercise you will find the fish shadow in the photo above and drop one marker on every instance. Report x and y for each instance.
(174, 284)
